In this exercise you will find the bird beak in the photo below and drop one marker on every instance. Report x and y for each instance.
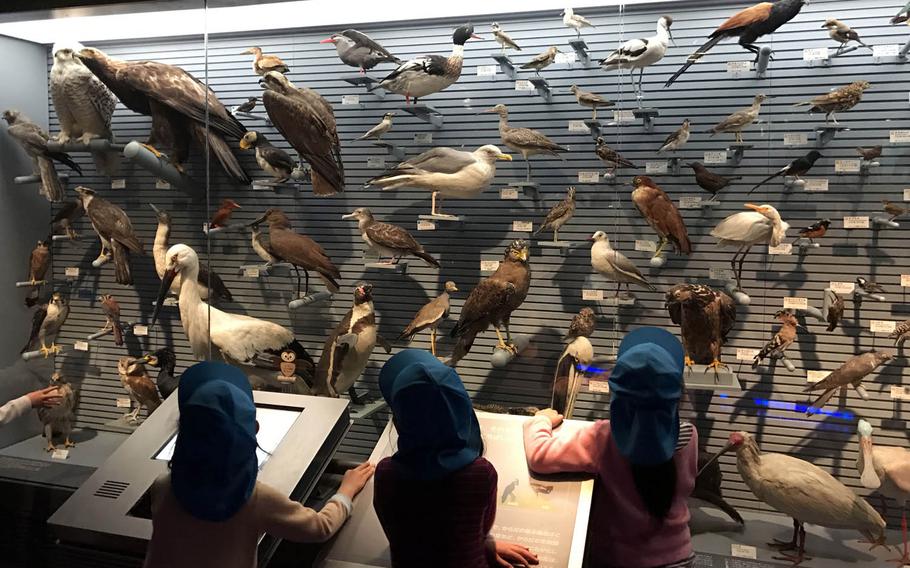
(825, 25)
(475, 36)
(246, 52)
(523, 255)
(155, 209)
(869, 478)
(486, 110)
(166, 282)
(244, 145)
(505, 157)
(328, 40)
(715, 457)
(263, 84)
(348, 216)
(752, 206)
(258, 221)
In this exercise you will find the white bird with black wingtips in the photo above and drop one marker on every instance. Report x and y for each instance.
(641, 53)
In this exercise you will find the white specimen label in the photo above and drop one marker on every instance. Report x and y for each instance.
(623, 116)
(260, 186)
(423, 138)
(140, 330)
(119, 183)
(592, 295)
(251, 272)
(900, 393)
(81, 346)
(486, 70)
(59, 454)
(588, 177)
(888, 50)
(842, 287)
(907, 195)
(815, 54)
(856, 222)
(655, 167)
(815, 376)
(578, 126)
(882, 326)
(846, 166)
(905, 280)
(900, 136)
(376, 162)
(716, 157)
(170, 301)
(567, 57)
(743, 354)
(123, 403)
(721, 273)
(646, 246)
(795, 303)
(523, 85)
(71, 271)
(737, 67)
(795, 139)
(743, 551)
(598, 386)
(689, 202)
(161, 184)
(508, 193)
(350, 99)
(489, 265)
(522, 226)
(783, 248)
(816, 185)
(424, 225)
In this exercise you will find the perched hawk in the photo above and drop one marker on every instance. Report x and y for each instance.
(135, 379)
(705, 318)
(59, 419)
(48, 320)
(39, 260)
(33, 140)
(114, 230)
(111, 309)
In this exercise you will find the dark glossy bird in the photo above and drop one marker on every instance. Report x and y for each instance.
(542, 60)
(263, 63)
(814, 231)
(39, 260)
(115, 231)
(573, 363)
(677, 139)
(300, 250)
(33, 140)
(111, 310)
(528, 142)
(902, 16)
(559, 215)
(868, 286)
(705, 317)
(708, 486)
(609, 156)
(165, 360)
(493, 300)
(590, 100)
(46, 322)
(901, 333)
(741, 119)
(58, 420)
(183, 109)
(797, 168)
(222, 216)
(835, 309)
(274, 161)
(843, 34)
(66, 217)
(430, 316)
(785, 336)
(388, 239)
(307, 122)
(870, 154)
(661, 214)
(141, 389)
(851, 373)
(357, 49)
(709, 181)
(748, 25)
(893, 209)
(839, 100)
(248, 105)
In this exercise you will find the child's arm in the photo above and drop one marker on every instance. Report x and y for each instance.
(288, 519)
(574, 451)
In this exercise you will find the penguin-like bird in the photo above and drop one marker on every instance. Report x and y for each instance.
(273, 161)
(357, 49)
(46, 322)
(115, 231)
(661, 214)
(430, 316)
(797, 168)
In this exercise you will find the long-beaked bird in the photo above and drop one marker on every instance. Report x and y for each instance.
(526, 141)
(661, 214)
(115, 231)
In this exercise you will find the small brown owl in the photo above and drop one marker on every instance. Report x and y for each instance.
(288, 366)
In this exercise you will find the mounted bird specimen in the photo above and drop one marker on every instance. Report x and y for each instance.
(797, 168)
(445, 172)
(901, 333)
(902, 16)
(141, 389)
(114, 229)
(803, 491)
(166, 362)
(66, 217)
(843, 34)
(709, 181)
(870, 154)
(741, 119)
(429, 74)
(762, 225)
(182, 108)
(784, 338)
(430, 316)
(248, 105)
(387, 239)
(559, 215)
(661, 214)
(677, 139)
(835, 309)
(46, 322)
(705, 318)
(33, 140)
(39, 260)
(307, 122)
(380, 129)
(851, 373)
(609, 156)
(748, 25)
(357, 49)
(493, 300)
(111, 310)
(263, 63)
(575, 21)
(840, 100)
(222, 215)
(708, 486)
(84, 105)
(613, 265)
(583, 324)
(590, 100)
(260, 244)
(573, 362)
(526, 141)
(893, 209)
(641, 53)
(814, 231)
(503, 39)
(869, 286)
(58, 420)
(273, 161)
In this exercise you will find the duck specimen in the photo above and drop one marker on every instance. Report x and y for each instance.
(357, 49)
(430, 316)
(526, 141)
(387, 239)
(262, 64)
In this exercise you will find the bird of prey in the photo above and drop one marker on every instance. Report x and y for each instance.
(262, 64)
(387, 239)
(526, 141)
(39, 260)
(573, 362)
(503, 39)
(893, 209)
(641, 52)
(709, 181)
(868, 286)
(357, 49)
(272, 160)
(111, 309)
(307, 122)
(222, 216)
(609, 156)
(814, 231)
(839, 100)
(583, 324)
(445, 172)
(761, 225)
(748, 25)
(182, 108)
(58, 420)
(705, 317)
(851, 373)
(115, 231)
(349, 346)
(429, 74)
(380, 129)
(842, 34)
(590, 100)
(430, 316)
(66, 217)
(33, 140)
(797, 168)
(300, 250)
(575, 21)
(248, 105)
(901, 333)
(47, 321)
(166, 361)
(543, 59)
(493, 300)
(902, 16)
(661, 214)
(708, 486)
(739, 120)
(677, 139)
(785, 336)
(835, 309)
(613, 265)
(559, 215)
(141, 389)
(870, 154)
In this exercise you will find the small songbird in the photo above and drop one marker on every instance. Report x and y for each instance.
(380, 129)
(111, 309)
(838, 100)
(582, 325)
(901, 333)
(797, 168)
(166, 361)
(842, 34)
(223, 214)
(572, 364)
(59, 419)
(262, 64)
(677, 139)
(870, 154)
(869, 286)
(835, 310)
(739, 120)
(388, 239)
(559, 215)
(248, 105)
(610, 157)
(661, 214)
(430, 316)
(614, 265)
(893, 209)
(814, 231)
(273, 160)
(575, 21)
(136, 381)
(47, 321)
(545, 59)
(503, 39)
(785, 336)
(590, 100)
(851, 373)
(710, 181)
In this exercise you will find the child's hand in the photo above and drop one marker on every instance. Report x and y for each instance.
(554, 417)
(44, 398)
(509, 554)
(355, 479)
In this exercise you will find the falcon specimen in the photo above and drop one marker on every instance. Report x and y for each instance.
(111, 310)
(526, 141)
(66, 217)
(559, 215)
(59, 419)
(493, 300)
(263, 63)
(710, 181)
(705, 318)
(851, 373)
(835, 309)
(739, 120)
(785, 336)
(182, 108)
(84, 105)
(136, 381)
(388, 239)
(33, 140)
(307, 122)
(166, 361)
(357, 49)
(836, 101)
(573, 362)
(115, 231)
(661, 214)
(430, 316)
(273, 161)
(609, 156)
(39, 260)
(47, 321)
(797, 168)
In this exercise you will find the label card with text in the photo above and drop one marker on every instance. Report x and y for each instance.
(796, 303)
(796, 139)
(900, 136)
(716, 273)
(887, 50)
(847, 166)
(815, 54)
(844, 288)
(161, 184)
(816, 376)
(489, 265)
(738, 67)
(689, 202)
(623, 116)
(522, 226)
(423, 138)
(743, 354)
(588, 177)
(856, 222)
(743, 551)
(508, 193)
(900, 393)
(816, 185)
(565, 57)
(598, 386)
(646, 246)
(140, 330)
(578, 126)
(486, 70)
(905, 280)
(907, 195)
(71, 271)
(80, 346)
(523, 85)
(882, 326)
(376, 162)
(716, 157)
(350, 99)
(251, 272)
(592, 295)
(783, 249)
(123, 403)
(656, 167)
(424, 225)
(119, 183)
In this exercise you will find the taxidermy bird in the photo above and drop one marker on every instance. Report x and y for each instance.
(677, 139)
(571, 366)
(430, 316)
(869, 286)
(870, 154)
(582, 325)
(785, 336)
(39, 260)
(493, 300)
(388, 239)
(115, 231)
(575, 21)
(893, 209)
(559, 215)
(748, 25)
(307, 122)
(260, 245)
(835, 310)
(262, 63)
(609, 156)
(842, 34)
(111, 310)
(503, 39)
(526, 141)
(739, 120)
(542, 60)
(66, 217)
(33, 140)
(141, 389)
(797, 168)
(273, 161)
(357, 49)
(46, 322)
(709, 181)
(166, 361)
(222, 215)
(705, 318)
(641, 52)
(901, 333)
(58, 420)
(661, 214)
(248, 105)
(613, 265)
(803, 491)
(590, 100)
(840, 100)
(708, 486)
(380, 129)
(762, 225)
(349, 346)
(814, 231)
(902, 16)
(182, 108)
(851, 373)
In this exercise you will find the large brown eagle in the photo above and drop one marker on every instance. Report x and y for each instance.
(705, 317)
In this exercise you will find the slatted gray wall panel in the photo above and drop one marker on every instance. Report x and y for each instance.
(705, 94)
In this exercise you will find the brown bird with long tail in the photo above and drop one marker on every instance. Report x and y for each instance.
(115, 231)
(785, 336)
(835, 310)
(840, 100)
(661, 214)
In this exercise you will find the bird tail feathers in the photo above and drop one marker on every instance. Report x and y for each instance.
(462, 347)
(118, 334)
(763, 182)
(121, 263)
(51, 186)
(65, 159)
(226, 158)
(427, 258)
(329, 281)
(699, 53)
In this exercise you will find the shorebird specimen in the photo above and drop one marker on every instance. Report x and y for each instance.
(430, 316)
(262, 64)
(526, 141)
(357, 49)
(380, 129)
(762, 225)
(47, 321)
(613, 265)
(677, 139)
(503, 39)
(388, 239)
(575, 21)
(542, 60)
(705, 317)
(641, 53)
(842, 34)
(609, 156)
(840, 100)
(575, 358)
(739, 120)
(797, 168)
(111, 310)
(784, 338)
(709, 181)
(661, 214)
(814, 231)
(559, 215)
(273, 161)
(590, 100)
(851, 373)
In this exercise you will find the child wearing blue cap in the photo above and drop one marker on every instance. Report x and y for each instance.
(645, 460)
(436, 497)
(210, 511)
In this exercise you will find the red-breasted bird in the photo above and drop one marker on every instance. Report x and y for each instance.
(814, 231)
(223, 215)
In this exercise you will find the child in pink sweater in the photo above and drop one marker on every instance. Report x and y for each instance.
(645, 460)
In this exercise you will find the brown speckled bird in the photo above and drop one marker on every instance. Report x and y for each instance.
(387, 239)
(141, 388)
(430, 316)
(893, 209)
(710, 181)
(661, 214)
(705, 318)
(741, 119)
(870, 154)
(609, 156)
(851, 373)
(559, 215)
(221, 217)
(901, 333)
(785, 336)
(835, 310)
(111, 309)
(582, 325)
(840, 100)
(59, 419)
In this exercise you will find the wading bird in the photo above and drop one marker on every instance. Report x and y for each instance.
(388, 239)
(641, 53)
(739, 120)
(542, 60)
(526, 141)
(430, 316)
(590, 100)
(762, 225)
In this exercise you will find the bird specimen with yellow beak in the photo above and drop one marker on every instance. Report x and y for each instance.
(274, 161)
(430, 316)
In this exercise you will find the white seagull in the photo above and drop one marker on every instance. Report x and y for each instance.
(613, 265)
(642, 52)
(575, 21)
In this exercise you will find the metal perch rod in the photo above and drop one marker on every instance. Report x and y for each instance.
(310, 300)
(30, 284)
(501, 357)
(24, 180)
(157, 166)
(29, 355)
(96, 145)
(764, 57)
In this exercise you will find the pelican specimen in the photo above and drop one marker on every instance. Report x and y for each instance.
(571, 366)
(762, 225)
(526, 141)
(430, 316)
(661, 214)
(614, 265)
(641, 53)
